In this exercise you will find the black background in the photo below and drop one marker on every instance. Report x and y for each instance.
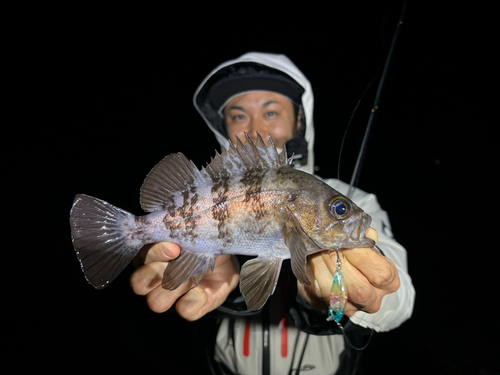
(100, 96)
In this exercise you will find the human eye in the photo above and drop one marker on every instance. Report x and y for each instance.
(238, 117)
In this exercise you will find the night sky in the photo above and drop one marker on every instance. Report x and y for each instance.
(100, 100)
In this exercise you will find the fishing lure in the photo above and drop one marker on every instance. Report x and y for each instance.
(338, 301)
(338, 294)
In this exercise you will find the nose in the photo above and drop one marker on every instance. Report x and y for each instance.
(257, 126)
(253, 137)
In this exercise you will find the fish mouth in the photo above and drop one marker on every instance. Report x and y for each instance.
(358, 233)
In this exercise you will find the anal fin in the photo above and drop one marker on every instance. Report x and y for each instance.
(187, 265)
(258, 279)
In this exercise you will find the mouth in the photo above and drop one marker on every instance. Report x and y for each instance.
(367, 220)
(359, 232)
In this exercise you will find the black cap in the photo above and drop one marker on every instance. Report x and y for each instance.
(230, 86)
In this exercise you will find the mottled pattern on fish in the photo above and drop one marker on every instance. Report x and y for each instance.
(248, 200)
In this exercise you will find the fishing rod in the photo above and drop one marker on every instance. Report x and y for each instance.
(375, 107)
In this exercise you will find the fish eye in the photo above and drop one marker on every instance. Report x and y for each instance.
(339, 207)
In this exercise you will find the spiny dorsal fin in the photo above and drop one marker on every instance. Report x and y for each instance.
(240, 157)
(175, 172)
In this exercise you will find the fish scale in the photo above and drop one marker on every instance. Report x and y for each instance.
(248, 200)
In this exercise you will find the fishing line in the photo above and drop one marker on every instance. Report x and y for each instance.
(349, 123)
(349, 342)
(376, 105)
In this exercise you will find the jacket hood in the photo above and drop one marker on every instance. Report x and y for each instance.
(249, 68)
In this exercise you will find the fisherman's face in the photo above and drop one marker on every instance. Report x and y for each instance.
(261, 112)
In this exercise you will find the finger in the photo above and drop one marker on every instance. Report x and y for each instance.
(362, 295)
(212, 290)
(160, 300)
(312, 295)
(222, 259)
(372, 233)
(326, 261)
(323, 275)
(191, 305)
(162, 251)
(148, 277)
(379, 270)
(157, 252)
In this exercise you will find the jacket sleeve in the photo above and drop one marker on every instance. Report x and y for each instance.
(396, 307)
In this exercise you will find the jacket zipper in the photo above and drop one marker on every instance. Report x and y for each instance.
(266, 353)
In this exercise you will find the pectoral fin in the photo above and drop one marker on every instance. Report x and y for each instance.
(258, 278)
(188, 264)
(300, 246)
(298, 253)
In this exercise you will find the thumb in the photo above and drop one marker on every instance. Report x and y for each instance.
(157, 252)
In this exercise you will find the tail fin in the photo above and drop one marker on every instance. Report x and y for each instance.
(100, 238)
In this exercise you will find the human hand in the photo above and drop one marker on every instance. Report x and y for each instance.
(192, 302)
(368, 275)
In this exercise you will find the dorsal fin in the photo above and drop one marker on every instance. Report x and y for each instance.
(175, 172)
(239, 157)
(170, 176)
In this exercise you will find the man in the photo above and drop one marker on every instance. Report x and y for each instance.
(267, 94)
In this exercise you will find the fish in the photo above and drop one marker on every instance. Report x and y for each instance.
(248, 200)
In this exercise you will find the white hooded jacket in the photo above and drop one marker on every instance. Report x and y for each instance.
(396, 307)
